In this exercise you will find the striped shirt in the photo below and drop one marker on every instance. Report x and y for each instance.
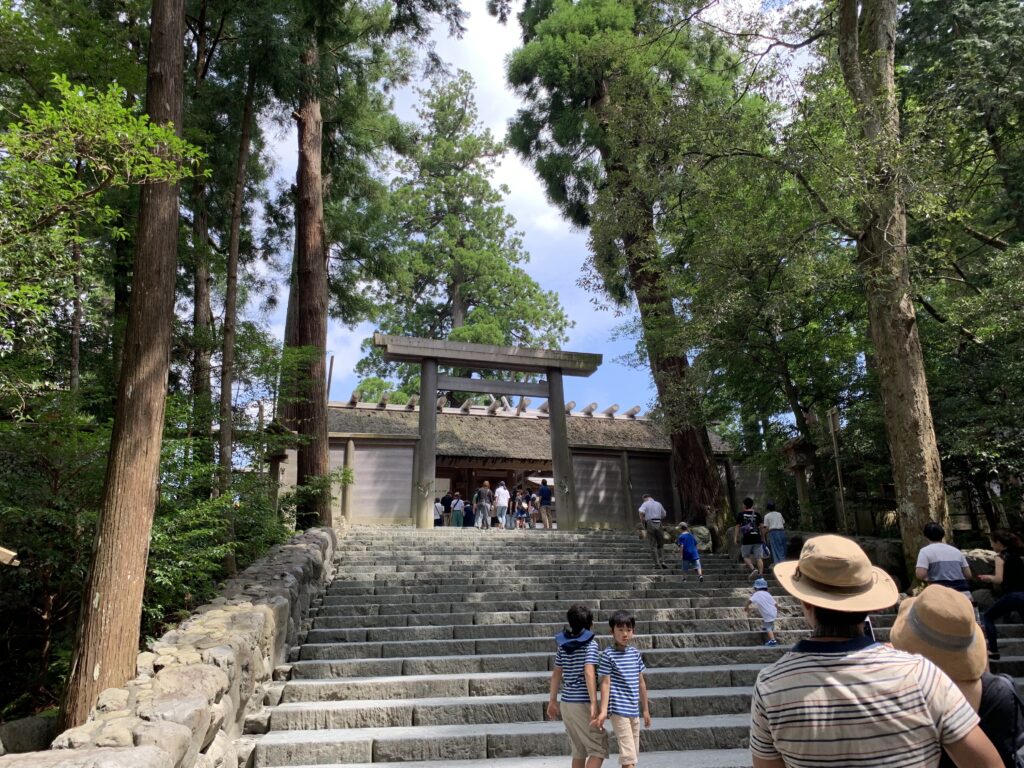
(855, 703)
(945, 565)
(573, 665)
(624, 668)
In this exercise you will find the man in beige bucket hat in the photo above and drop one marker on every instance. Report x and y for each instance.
(841, 699)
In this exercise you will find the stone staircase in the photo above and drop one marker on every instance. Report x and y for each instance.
(435, 648)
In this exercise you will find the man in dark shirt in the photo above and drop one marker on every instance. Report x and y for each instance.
(748, 536)
(545, 502)
(446, 505)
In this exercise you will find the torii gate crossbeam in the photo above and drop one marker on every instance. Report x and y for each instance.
(431, 353)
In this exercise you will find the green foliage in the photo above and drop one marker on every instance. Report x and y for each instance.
(56, 163)
(51, 481)
(460, 265)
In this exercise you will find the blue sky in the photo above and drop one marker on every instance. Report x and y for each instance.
(557, 252)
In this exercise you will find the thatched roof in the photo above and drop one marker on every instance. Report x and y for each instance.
(504, 434)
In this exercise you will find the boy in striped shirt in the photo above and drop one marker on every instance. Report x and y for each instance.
(574, 675)
(623, 688)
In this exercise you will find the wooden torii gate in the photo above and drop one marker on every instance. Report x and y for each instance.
(431, 353)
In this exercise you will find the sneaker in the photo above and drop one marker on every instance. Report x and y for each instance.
(684, 578)
(754, 574)
(771, 643)
(700, 579)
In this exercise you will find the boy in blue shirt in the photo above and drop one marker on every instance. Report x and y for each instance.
(623, 689)
(688, 552)
(576, 678)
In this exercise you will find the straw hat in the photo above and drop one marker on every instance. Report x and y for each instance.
(833, 572)
(939, 624)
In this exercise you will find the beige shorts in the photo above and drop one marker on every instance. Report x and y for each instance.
(627, 734)
(586, 741)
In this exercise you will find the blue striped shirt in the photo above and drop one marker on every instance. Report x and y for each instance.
(855, 704)
(573, 665)
(624, 668)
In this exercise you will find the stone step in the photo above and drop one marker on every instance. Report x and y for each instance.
(547, 631)
(441, 582)
(462, 583)
(469, 710)
(519, 608)
(511, 646)
(342, 620)
(483, 741)
(696, 758)
(554, 595)
(540, 661)
(509, 683)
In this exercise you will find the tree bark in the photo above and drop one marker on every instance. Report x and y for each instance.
(108, 635)
(227, 369)
(697, 478)
(202, 310)
(867, 35)
(202, 331)
(76, 320)
(311, 313)
(231, 294)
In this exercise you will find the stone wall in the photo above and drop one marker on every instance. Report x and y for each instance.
(198, 683)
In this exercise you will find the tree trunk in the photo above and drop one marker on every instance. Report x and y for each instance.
(867, 34)
(76, 320)
(286, 390)
(697, 478)
(311, 314)
(122, 269)
(108, 633)
(202, 332)
(227, 370)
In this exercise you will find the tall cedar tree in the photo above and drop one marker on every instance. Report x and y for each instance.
(460, 275)
(867, 43)
(108, 637)
(306, 326)
(574, 59)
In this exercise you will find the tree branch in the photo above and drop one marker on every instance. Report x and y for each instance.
(994, 240)
(967, 334)
(849, 51)
(840, 223)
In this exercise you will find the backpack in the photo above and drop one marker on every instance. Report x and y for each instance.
(1018, 733)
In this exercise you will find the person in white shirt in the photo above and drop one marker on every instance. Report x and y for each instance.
(501, 497)
(652, 514)
(775, 532)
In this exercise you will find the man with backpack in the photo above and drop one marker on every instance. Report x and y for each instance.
(749, 538)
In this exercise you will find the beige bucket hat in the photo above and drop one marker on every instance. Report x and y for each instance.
(833, 572)
(939, 624)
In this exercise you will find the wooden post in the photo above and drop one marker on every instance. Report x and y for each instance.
(426, 454)
(561, 460)
(347, 492)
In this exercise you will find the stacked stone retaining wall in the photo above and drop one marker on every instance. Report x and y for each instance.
(197, 683)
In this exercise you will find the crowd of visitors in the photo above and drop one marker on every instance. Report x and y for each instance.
(497, 508)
